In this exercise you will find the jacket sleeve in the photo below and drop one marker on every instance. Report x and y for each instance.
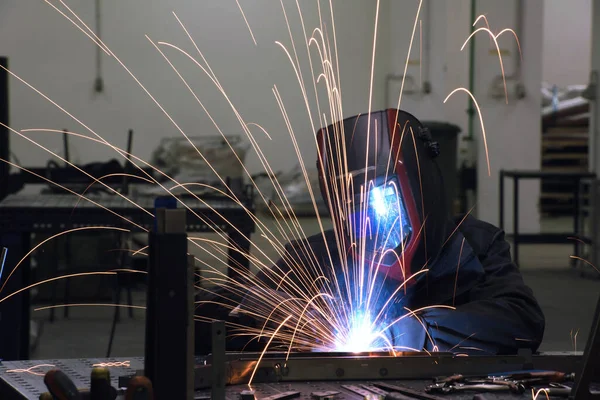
(499, 315)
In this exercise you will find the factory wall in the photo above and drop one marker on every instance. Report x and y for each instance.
(513, 129)
(55, 57)
(59, 60)
(567, 52)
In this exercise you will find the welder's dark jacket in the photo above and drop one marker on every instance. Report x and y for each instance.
(496, 313)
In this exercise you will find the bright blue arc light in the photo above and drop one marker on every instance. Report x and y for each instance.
(386, 223)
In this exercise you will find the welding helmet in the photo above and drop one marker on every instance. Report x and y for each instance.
(384, 191)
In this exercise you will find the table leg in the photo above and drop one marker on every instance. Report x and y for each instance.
(14, 312)
(516, 220)
(238, 257)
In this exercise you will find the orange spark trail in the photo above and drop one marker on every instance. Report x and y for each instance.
(372, 67)
(495, 38)
(457, 267)
(78, 27)
(487, 156)
(126, 364)
(412, 37)
(265, 350)
(55, 279)
(78, 169)
(585, 261)
(53, 237)
(140, 250)
(246, 20)
(30, 370)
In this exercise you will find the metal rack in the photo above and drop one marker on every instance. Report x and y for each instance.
(22, 215)
(575, 178)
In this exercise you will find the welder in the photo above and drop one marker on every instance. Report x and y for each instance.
(460, 264)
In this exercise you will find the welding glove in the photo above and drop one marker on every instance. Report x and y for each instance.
(408, 334)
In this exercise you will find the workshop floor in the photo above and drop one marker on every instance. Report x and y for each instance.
(567, 298)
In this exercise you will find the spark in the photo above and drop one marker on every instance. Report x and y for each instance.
(535, 394)
(121, 151)
(306, 311)
(462, 89)
(577, 239)
(124, 175)
(246, 20)
(585, 261)
(75, 167)
(2, 261)
(412, 37)
(495, 39)
(459, 343)
(140, 251)
(457, 267)
(53, 237)
(372, 69)
(126, 364)
(54, 279)
(574, 340)
(96, 42)
(133, 271)
(482, 16)
(487, 24)
(265, 350)
(30, 370)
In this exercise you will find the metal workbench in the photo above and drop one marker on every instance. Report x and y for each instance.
(22, 215)
(24, 379)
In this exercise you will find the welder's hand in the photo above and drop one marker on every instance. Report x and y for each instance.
(408, 334)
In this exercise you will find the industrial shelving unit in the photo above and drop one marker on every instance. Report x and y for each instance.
(564, 149)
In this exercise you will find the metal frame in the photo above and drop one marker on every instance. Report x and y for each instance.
(170, 309)
(19, 221)
(551, 238)
(274, 367)
(27, 386)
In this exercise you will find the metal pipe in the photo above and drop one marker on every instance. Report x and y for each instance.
(520, 23)
(426, 66)
(471, 109)
(99, 81)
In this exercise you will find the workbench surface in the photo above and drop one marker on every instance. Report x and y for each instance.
(24, 380)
